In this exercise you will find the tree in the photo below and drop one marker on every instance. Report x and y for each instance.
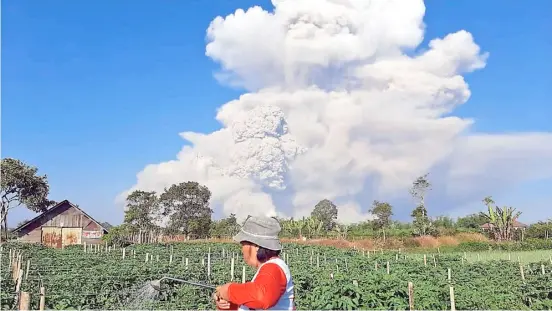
(443, 222)
(383, 212)
(225, 227)
(422, 223)
(325, 211)
(142, 210)
(472, 221)
(20, 185)
(501, 220)
(187, 207)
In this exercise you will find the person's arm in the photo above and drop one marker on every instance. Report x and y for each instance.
(262, 293)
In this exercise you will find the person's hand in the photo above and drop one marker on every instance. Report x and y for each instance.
(222, 304)
(222, 291)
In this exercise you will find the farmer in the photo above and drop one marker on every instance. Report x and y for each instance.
(272, 285)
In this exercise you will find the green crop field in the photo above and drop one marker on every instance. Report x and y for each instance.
(325, 278)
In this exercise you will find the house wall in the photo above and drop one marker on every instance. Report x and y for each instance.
(63, 216)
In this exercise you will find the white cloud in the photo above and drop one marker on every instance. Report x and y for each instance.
(337, 102)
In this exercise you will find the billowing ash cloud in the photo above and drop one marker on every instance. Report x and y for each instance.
(339, 106)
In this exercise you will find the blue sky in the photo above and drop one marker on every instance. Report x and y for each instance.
(94, 91)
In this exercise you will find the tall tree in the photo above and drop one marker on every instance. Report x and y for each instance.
(422, 223)
(326, 212)
(142, 210)
(20, 185)
(187, 207)
(383, 212)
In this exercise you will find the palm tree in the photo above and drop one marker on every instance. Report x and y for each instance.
(501, 220)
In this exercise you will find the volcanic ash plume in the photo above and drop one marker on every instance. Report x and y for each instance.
(339, 105)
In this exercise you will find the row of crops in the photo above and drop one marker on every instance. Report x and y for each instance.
(325, 278)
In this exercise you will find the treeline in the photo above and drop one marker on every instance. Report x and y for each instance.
(183, 209)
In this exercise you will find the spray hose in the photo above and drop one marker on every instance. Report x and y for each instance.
(188, 282)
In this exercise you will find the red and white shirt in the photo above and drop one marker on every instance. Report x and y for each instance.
(270, 289)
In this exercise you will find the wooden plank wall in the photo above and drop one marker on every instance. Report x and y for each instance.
(63, 216)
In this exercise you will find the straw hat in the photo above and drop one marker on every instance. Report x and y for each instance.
(261, 231)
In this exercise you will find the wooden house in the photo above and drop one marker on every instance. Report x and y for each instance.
(61, 225)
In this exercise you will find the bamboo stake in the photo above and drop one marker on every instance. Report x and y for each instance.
(452, 302)
(209, 264)
(232, 270)
(18, 284)
(449, 274)
(411, 296)
(24, 301)
(42, 299)
(27, 270)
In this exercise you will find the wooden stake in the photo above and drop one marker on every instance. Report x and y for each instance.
(425, 260)
(147, 257)
(170, 259)
(452, 303)
(388, 267)
(18, 284)
(84, 246)
(243, 274)
(542, 269)
(410, 296)
(124, 253)
(232, 270)
(449, 274)
(186, 263)
(42, 299)
(209, 264)
(521, 271)
(27, 271)
(24, 300)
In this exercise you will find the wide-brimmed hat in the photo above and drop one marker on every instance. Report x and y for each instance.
(261, 231)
